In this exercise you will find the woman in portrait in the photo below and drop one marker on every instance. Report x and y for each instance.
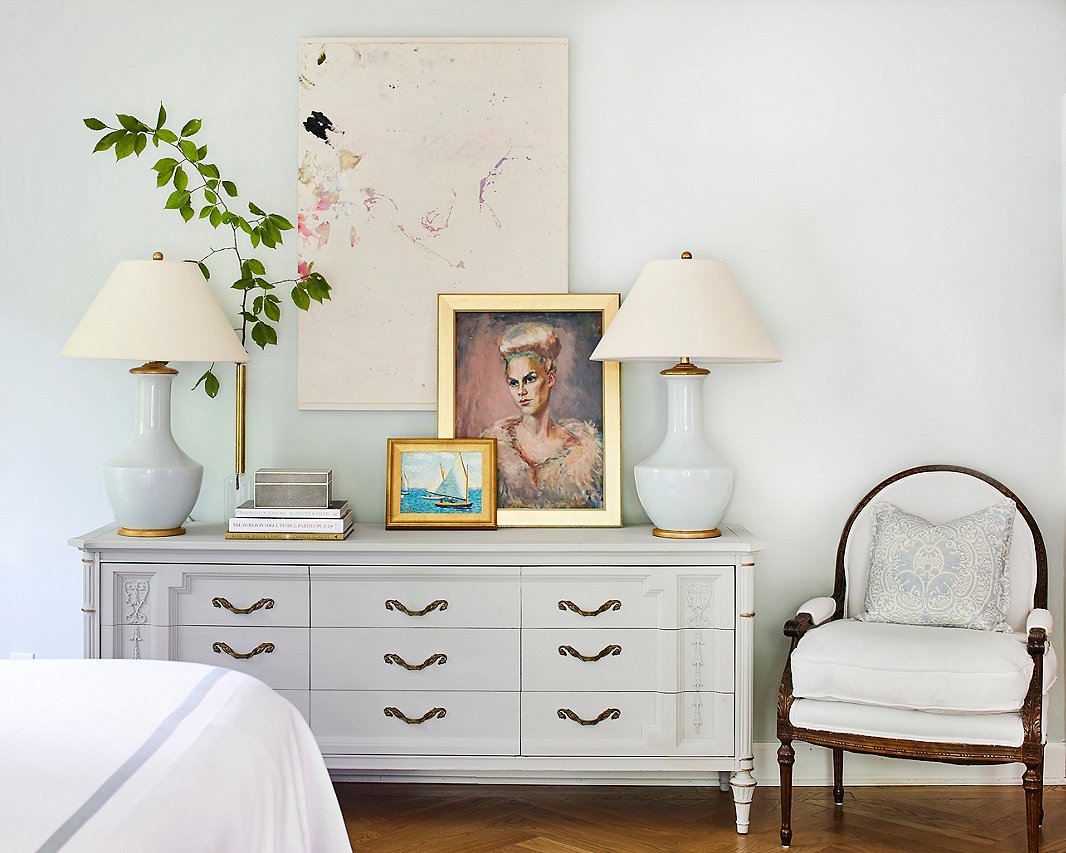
(542, 463)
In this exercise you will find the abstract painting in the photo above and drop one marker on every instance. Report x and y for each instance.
(516, 368)
(429, 166)
(435, 483)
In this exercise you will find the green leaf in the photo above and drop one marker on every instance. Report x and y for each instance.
(272, 311)
(155, 140)
(205, 211)
(201, 152)
(280, 222)
(94, 123)
(164, 164)
(161, 119)
(187, 212)
(163, 179)
(124, 147)
(108, 140)
(181, 180)
(130, 123)
(257, 305)
(210, 196)
(208, 170)
(204, 269)
(249, 317)
(245, 227)
(243, 284)
(256, 266)
(252, 207)
(317, 287)
(230, 188)
(188, 149)
(177, 200)
(210, 383)
(140, 141)
(216, 218)
(254, 238)
(191, 126)
(264, 335)
(168, 135)
(300, 299)
(264, 235)
(212, 184)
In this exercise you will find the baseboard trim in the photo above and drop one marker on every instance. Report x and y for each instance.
(814, 768)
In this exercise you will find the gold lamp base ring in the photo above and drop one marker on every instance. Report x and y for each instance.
(135, 531)
(686, 534)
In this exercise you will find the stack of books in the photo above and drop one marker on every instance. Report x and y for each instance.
(252, 522)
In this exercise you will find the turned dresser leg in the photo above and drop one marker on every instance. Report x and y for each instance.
(1033, 783)
(743, 784)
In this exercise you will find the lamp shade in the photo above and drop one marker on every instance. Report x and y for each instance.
(155, 311)
(686, 308)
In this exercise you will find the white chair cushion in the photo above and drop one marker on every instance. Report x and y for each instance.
(946, 670)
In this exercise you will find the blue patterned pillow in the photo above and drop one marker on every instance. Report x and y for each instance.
(951, 575)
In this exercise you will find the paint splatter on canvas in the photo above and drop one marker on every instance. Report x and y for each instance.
(426, 167)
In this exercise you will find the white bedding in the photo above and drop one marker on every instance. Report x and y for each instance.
(146, 756)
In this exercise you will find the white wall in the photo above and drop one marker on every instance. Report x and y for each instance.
(881, 176)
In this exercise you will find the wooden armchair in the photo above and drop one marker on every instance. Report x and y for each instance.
(955, 695)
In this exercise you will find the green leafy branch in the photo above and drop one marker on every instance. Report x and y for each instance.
(194, 181)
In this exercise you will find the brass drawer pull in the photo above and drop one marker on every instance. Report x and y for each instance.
(262, 603)
(438, 659)
(219, 648)
(432, 713)
(612, 650)
(609, 714)
(613, 604)
(439, 604)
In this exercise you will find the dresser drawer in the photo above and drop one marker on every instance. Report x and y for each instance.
(627, 724)
(352, 722)
(278, 656)
(426, 659)
(422, 597)
(646, 659)
(256, 596)
(628, 597)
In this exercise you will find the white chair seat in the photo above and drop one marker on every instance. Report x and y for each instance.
(917, 668)
(902, 724)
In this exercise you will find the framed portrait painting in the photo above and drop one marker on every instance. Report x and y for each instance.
(441, 483)
(515, 368)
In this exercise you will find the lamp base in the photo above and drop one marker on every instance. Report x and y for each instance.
(134, 531)
(686, 534)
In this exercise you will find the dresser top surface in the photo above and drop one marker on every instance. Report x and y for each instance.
(374, 538)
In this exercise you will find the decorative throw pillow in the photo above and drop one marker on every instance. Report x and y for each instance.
(950, 575)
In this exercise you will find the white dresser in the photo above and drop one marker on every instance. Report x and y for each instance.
(565, 656)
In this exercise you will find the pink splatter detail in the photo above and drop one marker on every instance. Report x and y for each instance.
(488, 181)
(459, 265)
(372, 197)
(353, 237)
(326, 199)
(437, 220)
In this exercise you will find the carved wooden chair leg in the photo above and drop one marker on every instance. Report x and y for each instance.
(838, 776)
(1033, 782)
(786, 757)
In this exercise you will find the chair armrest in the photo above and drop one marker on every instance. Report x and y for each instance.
(1040, 619)
(1038, 626)
(821, 609)
(810, 614)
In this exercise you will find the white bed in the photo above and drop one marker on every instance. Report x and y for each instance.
(147, 756)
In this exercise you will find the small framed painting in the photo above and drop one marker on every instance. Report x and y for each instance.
(515, 367)
(439, 483)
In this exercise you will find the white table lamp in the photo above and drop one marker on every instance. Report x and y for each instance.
(154, 311)
(685, 311)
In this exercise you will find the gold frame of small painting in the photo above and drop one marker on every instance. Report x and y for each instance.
(557, 419)
(436, 480)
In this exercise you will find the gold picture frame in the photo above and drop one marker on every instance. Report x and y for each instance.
(440, 484)
(584, 419)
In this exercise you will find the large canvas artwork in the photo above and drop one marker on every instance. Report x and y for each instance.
(516, 369)
(426, 167)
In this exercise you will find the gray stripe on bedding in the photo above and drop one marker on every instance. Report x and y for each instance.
(130, 766)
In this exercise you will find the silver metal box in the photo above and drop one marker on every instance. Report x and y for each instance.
(293, 487)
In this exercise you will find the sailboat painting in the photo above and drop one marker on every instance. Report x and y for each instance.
(441, 483)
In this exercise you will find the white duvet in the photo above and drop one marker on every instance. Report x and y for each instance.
(146, 756)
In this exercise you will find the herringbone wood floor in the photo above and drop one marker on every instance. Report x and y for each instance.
(388, 818)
